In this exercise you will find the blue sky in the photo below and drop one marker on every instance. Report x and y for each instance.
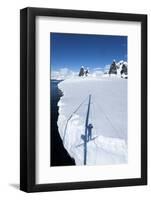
(73, 50)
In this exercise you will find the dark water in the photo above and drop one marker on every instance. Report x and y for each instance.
(59, 156)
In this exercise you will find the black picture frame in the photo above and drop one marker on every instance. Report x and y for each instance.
(28, 99)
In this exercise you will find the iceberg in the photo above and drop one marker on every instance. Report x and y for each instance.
(108, 115)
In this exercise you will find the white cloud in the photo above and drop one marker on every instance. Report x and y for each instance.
(63, 73)
(107, 66)
(98, 68)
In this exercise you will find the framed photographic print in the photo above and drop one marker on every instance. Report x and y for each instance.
(83, 99)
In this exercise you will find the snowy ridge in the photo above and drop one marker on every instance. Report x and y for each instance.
(109, 138)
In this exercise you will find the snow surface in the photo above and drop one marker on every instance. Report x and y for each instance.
(108, 115)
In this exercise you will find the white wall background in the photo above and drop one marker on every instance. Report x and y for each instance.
(9, 98)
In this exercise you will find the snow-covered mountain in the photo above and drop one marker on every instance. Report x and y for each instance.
(120, 69)
(66, 73)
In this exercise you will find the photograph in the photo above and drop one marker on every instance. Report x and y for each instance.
(89, 97)
(83, 84)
